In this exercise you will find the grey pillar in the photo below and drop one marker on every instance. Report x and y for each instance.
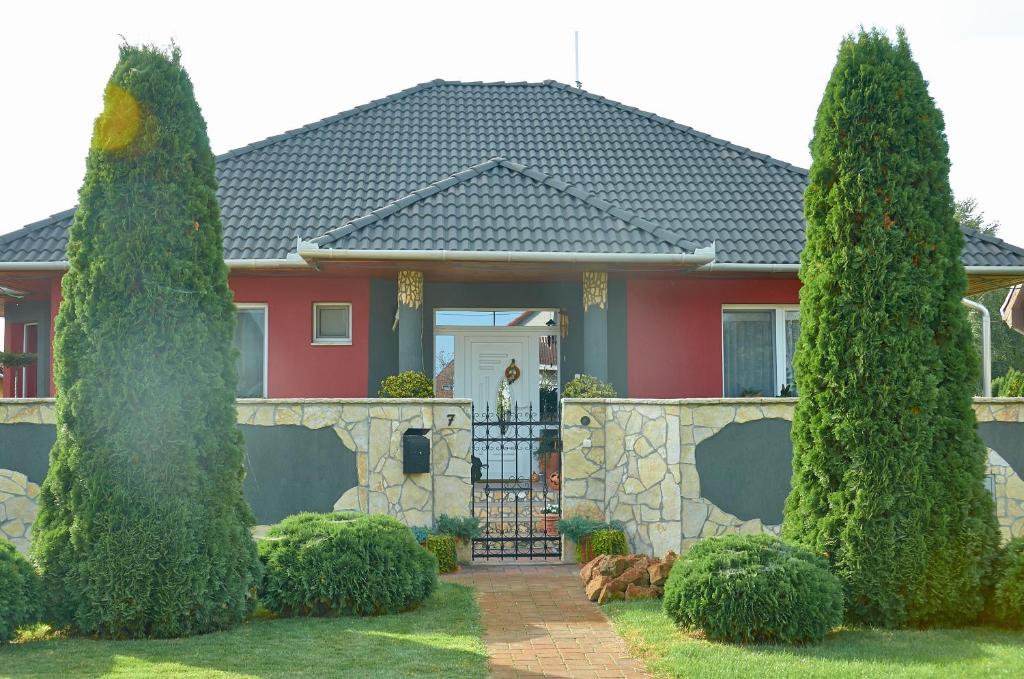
(595, 324)
(410, 321)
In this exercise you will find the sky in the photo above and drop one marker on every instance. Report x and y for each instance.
(749, 72)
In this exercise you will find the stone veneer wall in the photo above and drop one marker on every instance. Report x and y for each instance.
(371, 429)
(636, 461)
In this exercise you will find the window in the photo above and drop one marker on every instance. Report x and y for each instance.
(251, 342)
(332, 323)
(758, 344)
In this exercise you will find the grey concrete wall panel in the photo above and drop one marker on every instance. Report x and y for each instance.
(746, 468)
(25, 448)
(1007, 439)
(293, 469)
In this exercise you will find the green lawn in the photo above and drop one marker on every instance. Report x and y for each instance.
(442, 638)
(978, 652)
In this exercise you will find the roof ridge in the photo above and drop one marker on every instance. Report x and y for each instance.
(625, 216)
(678, 126)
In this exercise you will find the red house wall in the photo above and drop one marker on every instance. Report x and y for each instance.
(296, 368)
(674, 336)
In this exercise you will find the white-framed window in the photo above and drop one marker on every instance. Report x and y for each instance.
(251, 342)
(758, 342)
(332, 323)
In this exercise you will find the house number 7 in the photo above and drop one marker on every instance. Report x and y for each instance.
(451, 418)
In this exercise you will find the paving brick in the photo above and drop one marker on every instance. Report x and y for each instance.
(538, 623)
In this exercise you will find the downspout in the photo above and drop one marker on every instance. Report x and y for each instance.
(986, 344)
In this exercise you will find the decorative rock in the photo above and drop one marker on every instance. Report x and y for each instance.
(658, 572)
(595, 586)
(635, 592)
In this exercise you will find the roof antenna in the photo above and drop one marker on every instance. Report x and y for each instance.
(576, 35)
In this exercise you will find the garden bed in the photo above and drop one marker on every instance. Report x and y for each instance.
(669, 652)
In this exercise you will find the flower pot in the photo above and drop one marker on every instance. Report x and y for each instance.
(550, 524)
(464, 551)
(584, 552)
(549, 463)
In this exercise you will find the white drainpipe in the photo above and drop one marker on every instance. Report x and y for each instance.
(986, 345)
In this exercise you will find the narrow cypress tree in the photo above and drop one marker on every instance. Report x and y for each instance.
(887, 464)
(143, 530)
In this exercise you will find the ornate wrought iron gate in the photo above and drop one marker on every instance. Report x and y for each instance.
(517, 483)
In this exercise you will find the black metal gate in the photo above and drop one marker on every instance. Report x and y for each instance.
(517, 483)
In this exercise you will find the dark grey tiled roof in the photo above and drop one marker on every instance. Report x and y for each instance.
(501, 205)
(314, 179)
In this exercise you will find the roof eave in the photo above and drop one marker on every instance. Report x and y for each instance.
(701, 256)
(292, 261)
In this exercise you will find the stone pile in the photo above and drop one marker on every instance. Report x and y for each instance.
(610, 577)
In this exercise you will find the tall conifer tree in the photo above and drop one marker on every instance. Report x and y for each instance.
(143, 530)
(887, 465)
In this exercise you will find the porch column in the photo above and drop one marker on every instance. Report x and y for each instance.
(595, 324)
(410, 320)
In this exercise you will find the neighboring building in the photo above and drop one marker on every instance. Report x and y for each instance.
(455, 216)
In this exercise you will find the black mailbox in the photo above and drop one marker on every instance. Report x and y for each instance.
(415, 451)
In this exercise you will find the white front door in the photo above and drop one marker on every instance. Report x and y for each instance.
(485, 357)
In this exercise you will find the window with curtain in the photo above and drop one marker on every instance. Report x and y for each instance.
(251, 342)
(757, 351)
(748, 339)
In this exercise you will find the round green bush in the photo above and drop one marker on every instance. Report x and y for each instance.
(344, 563)
(585, 386)
(19, 592)
(1007, 603)
(410, 384)
(443, 547)
(753, 588)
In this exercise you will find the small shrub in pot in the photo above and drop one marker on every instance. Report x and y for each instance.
(586, 386)
(443, 547)
(409, 384)
(753, 588)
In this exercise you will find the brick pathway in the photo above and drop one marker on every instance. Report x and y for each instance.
(538, 623)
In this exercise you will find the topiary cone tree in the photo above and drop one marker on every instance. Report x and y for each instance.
(887, 464)
(142, 529)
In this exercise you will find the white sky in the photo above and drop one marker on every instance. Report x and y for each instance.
(752, 73)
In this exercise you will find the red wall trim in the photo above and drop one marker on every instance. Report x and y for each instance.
(674, 331)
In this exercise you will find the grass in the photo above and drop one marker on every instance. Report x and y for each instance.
(441, 638)
(669, 652)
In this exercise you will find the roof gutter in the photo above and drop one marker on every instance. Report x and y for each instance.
(793, 268)
(311, 252)
(292, 262)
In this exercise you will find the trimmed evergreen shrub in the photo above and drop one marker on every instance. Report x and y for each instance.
(1007, 602)
(464, 528)
(142, 527)
(344, 563)
(607, 541)
(586, 386)
(409, 384)
(443, 548)
(887, 464)
(19, 592)
(753, 588)
(1010, 385)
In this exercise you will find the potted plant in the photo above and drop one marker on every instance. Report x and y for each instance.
(463, 529)
(551, 513)
(549, 453)
(579, 529)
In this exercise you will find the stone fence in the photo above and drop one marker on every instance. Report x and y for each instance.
(300, 455)
(675, 471)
